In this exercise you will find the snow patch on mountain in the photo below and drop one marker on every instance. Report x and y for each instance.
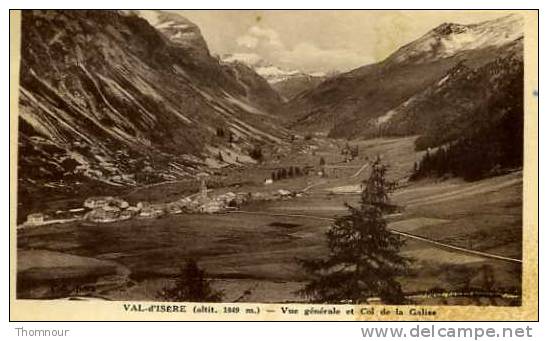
(178, 29)
(275, 74)
(272, 73)
(449, 39)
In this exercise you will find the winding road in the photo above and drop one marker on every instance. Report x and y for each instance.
(404, 234)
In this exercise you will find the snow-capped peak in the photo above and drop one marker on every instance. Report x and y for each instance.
(272, 73)
(448, 39)
(177, 29)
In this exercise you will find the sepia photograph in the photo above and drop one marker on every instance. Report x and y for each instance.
(275, 158)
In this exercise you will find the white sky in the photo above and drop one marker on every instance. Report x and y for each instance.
(320, 40)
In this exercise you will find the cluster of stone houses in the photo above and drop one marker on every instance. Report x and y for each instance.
(112, 209)
(109, 209)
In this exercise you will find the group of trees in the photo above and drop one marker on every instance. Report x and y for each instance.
(492, 148)
(431, 164)
(350, 152)
(285, 173)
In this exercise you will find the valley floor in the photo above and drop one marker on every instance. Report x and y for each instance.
(252, 256)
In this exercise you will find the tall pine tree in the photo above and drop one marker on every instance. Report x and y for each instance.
(364, 259)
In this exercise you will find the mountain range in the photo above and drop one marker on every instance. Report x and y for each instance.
(110, 98)
(288, 83)
(107, 97)
(353, 104)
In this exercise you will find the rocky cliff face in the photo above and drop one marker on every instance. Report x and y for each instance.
(106, 97)
(179, 30)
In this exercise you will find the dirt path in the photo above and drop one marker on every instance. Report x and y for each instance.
(360, 170)
(457, 248)
(313, 185)
(404, 234)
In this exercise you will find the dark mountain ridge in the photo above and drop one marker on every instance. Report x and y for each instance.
(450, 105)
(106, 97)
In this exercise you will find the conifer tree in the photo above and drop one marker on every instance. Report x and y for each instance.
(190, 286)
(363, 259)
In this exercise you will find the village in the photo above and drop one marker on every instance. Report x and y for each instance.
(107, 209)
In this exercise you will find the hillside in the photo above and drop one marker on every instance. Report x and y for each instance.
(108, 99)
(346, 105)
(293, 86)
(445, 108)
(485, 139)
(258, 90)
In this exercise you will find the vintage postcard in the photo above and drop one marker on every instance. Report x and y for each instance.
(274, 165)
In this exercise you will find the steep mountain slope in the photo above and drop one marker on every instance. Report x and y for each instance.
(106, 97)
(486, 139)
(181, 32)
(450, 106)
(346, 105)
(258, 90)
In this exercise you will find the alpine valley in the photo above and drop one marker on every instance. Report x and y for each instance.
(160, 160)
